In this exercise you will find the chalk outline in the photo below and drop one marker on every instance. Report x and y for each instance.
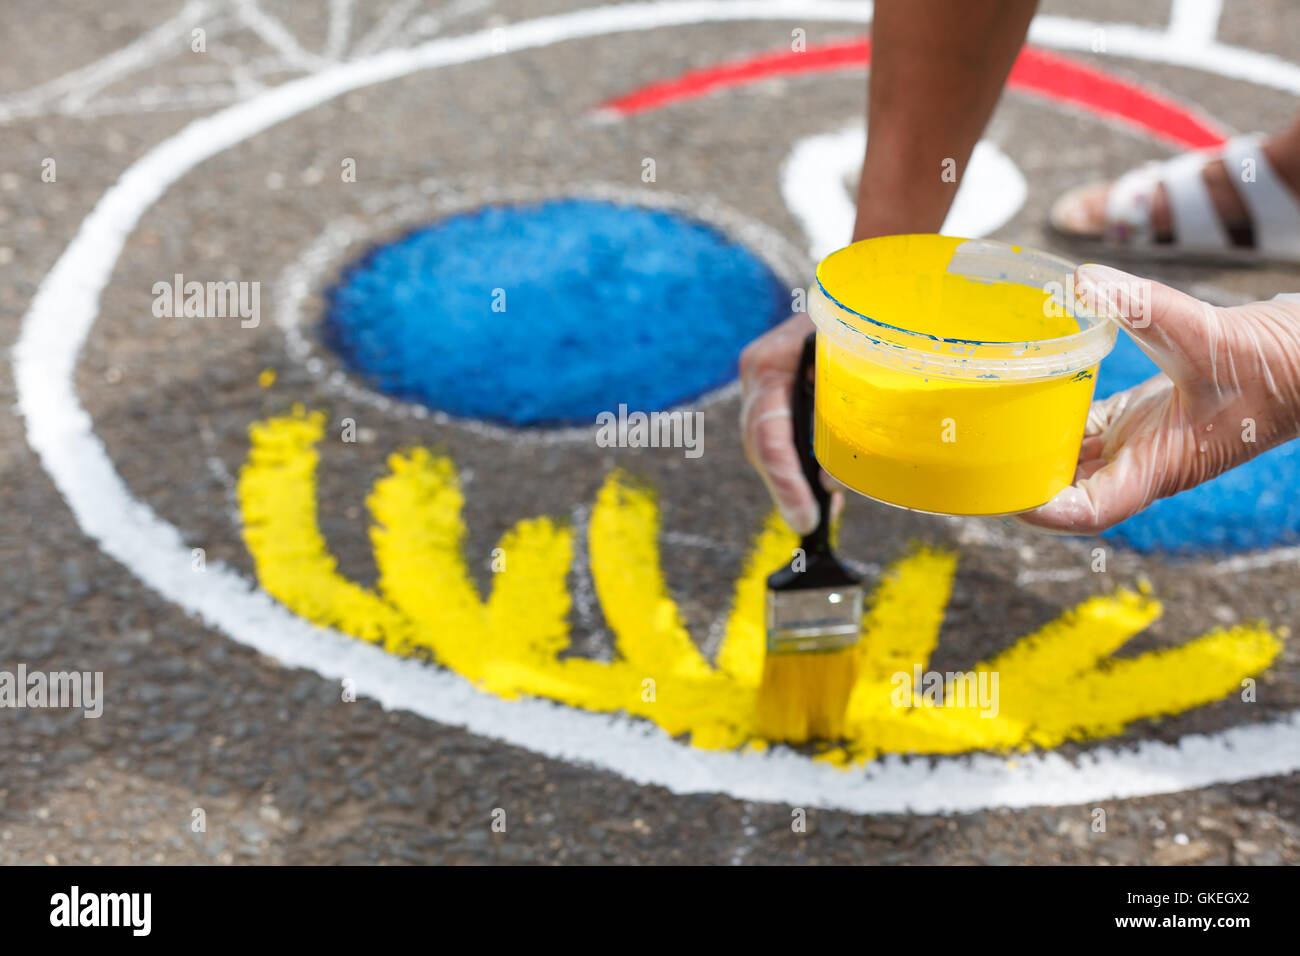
(61, 432)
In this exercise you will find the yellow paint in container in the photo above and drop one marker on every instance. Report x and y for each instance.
(953, 375)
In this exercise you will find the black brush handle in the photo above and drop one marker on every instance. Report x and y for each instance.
(801, 409)
(822, 569)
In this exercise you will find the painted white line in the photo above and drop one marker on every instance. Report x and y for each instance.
(1241, 563)
(392, 21)
(340, 25)
(76, 87)
(1195, 21)
(275, 35)
(1152, 46)
(992, 191)
(1033, 576)
(61, 432)
(152, 100)
(814, 183)
(818, 170)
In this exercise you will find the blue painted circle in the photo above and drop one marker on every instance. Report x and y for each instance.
(552, 312)
(1253, 506)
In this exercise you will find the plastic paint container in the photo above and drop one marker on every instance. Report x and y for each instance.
(953, 375)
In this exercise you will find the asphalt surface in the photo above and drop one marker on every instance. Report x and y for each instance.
(284, 771)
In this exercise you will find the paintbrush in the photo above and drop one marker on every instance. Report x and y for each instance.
(814, 611)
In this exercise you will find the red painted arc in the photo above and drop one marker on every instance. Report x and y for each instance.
(1036, 72)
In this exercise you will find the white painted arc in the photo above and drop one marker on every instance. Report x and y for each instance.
(1195, 21)
(814, 185)
(817, 172)
(1161, 46)
(61, 432)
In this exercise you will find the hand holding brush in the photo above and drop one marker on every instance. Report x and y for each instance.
(814, 611)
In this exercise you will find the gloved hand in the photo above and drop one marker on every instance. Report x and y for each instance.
(1229, 389)
(767, 370)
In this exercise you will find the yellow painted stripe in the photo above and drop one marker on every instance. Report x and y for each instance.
(528, 610)
(901, 628)
(417, 538)
(622, 542)
(509, 645)
(1158, 683)
(745, 638)
(1075, 641)
(277, 498)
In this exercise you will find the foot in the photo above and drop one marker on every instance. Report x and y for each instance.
(1081, 212)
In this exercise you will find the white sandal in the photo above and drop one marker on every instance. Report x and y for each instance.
(1198, 231)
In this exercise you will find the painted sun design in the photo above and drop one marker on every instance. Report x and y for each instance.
(1057, 684)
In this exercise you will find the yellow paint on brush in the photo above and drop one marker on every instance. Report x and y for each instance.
(804, 697)
(1060, 683)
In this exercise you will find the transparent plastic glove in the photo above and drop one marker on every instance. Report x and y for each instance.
(1229, 389)
(767, 370)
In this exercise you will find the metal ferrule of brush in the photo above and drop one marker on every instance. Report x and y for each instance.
(816, 620)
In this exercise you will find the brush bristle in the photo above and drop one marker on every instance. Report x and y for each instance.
(806, 696)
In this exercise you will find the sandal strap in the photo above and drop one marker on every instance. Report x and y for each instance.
(1128, 205)
(1273, 209)
(1197, 226)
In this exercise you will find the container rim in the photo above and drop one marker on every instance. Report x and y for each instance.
(981, 260)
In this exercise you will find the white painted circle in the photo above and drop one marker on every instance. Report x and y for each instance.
(61, 432)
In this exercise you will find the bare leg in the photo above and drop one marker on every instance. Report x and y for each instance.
(937, 69)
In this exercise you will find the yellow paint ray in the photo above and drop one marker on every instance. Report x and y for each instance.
(277, 500)
(1158, 683)
(1033, 669)
(508, 645)
(624, 553)
(745, 638)
(417, 540)
(1096, 703)
(528, 610)
(1075, 641)
(577, 682)
(901, 627)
